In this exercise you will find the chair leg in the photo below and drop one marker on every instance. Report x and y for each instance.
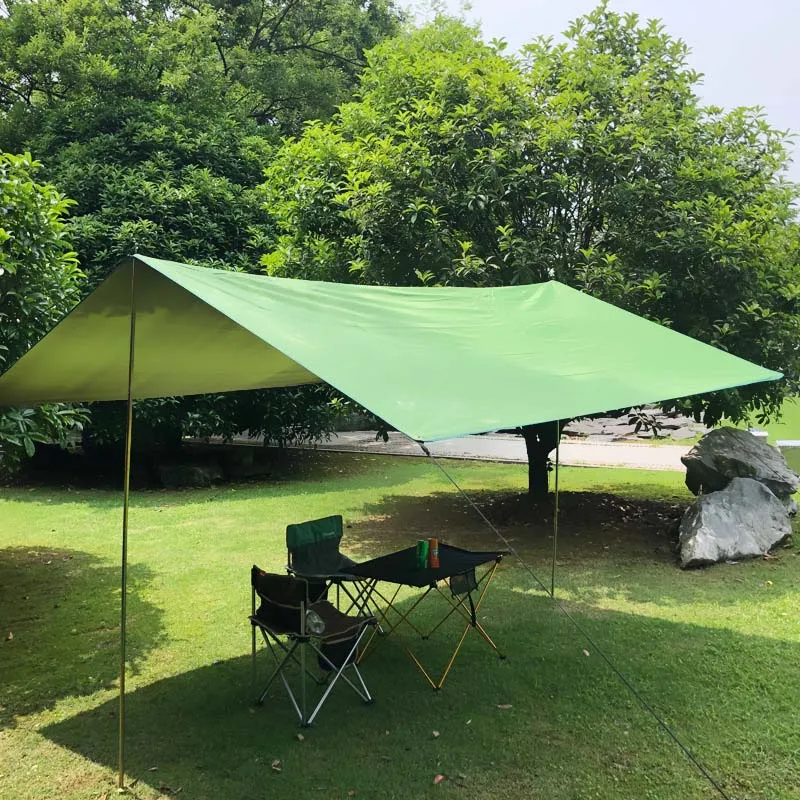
(303, 649)
(275, 642)
(253, 674)
(289, 654)
(349, 661)
(359, 597)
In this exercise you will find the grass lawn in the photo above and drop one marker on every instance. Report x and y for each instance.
(716, 652)
(787, 427)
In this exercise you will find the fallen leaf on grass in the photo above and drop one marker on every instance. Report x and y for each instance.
(276, 765)
(504, 706)
(437, 779)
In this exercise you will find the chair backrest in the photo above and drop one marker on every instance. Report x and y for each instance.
(314, 545)
(283, 598)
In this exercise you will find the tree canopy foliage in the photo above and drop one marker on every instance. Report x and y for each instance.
(39, 282)
(590, 161)
(158, 117)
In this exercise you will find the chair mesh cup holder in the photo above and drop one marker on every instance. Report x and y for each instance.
(293, 616)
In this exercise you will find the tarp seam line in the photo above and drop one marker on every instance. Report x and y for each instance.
(560, 606)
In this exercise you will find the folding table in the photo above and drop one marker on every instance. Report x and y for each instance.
(457, 570)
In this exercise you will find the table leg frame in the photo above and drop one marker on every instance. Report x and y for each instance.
(458, 605)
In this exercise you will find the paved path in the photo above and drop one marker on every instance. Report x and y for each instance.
(510, 448)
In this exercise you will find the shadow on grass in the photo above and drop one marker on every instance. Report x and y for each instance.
(296, 471)
(608, 545)
(280, 466)
(59, 621)
(589, 524)
(551, 721)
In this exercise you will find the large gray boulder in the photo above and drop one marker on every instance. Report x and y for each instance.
(727, 453)
(743, 520)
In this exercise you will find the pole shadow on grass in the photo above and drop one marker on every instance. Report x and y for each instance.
(551, 721)
(59, 620)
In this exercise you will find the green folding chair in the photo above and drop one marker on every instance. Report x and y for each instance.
(313, 553)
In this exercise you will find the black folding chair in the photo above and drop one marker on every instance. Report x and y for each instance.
(293, 617)
(313, 552)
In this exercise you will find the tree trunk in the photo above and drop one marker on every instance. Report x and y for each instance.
(540, 439)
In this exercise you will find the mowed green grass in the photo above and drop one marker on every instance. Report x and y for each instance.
(787, 427)
(715, 652)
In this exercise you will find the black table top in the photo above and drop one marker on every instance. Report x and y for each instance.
(401, 567)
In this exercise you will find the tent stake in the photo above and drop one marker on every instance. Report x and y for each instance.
(125, 503)
(555, 517)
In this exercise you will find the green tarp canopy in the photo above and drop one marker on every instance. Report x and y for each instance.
(433, 362)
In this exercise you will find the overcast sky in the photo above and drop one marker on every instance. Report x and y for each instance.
(747, 50)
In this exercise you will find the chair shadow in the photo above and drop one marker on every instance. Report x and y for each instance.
(198, 733)
(59, 620)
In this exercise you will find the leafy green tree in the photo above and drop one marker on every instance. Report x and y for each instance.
(590, 161)
(39, 283)
(157, 117)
